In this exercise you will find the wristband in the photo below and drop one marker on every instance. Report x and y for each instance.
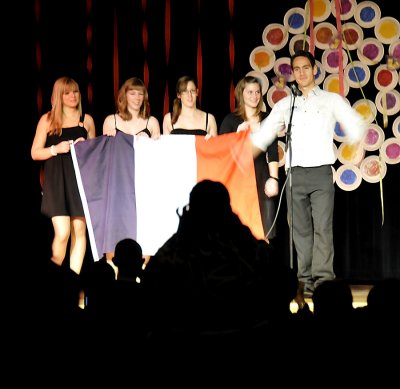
(274, 178)
(53, 151)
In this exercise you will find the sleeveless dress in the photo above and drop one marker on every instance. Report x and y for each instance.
(145, 130)
(183, 131)
(60, 190)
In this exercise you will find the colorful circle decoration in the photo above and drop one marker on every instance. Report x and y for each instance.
(350, 154)
(295, 20)
(367, 14)
(325, 34)
(283, 68)
(263, 79)
(274, 94)
(320, 76)
(281, 153)
(275, 36)
(339, 134)
(347, 9)
(394, 50)
(352, 35)
(322, 10)
(388, 102)
(396, 127)
(262, 59)
(357, 74)
(370, 51)
(390, 150)
(299, 42)
(387, 30)
(384, 78)
(366, 108)
(374, 138)
(364, 32)
(348, 177)
(332, 84)
(331, 60)
(373, 169)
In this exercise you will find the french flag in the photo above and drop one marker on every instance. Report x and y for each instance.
(135, 187)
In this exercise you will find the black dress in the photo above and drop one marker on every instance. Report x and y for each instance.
(267, 205)
(60, 189)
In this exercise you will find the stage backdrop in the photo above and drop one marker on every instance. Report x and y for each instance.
(102, 43)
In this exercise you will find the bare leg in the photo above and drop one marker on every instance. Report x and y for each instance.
(78, 243)
(61, 225)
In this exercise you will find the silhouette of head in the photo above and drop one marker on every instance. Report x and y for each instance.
(128, 257)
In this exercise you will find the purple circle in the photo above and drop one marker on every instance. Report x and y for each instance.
(348, 177)
(393, 151)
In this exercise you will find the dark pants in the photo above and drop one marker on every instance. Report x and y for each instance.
(313, 194)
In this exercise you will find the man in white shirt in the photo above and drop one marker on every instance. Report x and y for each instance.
(310, 195)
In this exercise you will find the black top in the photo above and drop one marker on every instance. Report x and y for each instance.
(184, 131)
(145, 130)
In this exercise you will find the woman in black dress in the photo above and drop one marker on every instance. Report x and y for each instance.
(56, 130)
(248, 114)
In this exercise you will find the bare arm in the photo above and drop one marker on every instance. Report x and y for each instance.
(109, 126)
(212, 129)
(154, 127)
(39, 151)
(167, 126)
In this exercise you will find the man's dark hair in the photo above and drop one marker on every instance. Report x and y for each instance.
(303, 53)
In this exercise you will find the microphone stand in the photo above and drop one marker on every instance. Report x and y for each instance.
(289, 191)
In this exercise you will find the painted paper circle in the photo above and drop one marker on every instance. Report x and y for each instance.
(391, 104)
(373, 169)
(295, 20)
(299, 42)
(263, 79)
(366, 108)
(348, 177)
(262, 59)
(384, 78)
(387, 30)
(321, 10)
(373, 138)
(331, 60)
(352, 35)
(332, 84)
(281, 153)
(275, 94)
(275, 36)
(338, 133)
(371, 51)
(347, 9)
(357, 74)
(320, 76)
(283, 68)
(396, 127)
(353, 154)
(390, 151)
(325, 34)
(367, 14)
(335, 150)
(394, 51)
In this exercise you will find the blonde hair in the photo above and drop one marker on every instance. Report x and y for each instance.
(62, 86)
(133, 83)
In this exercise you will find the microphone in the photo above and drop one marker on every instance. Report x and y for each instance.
(296, 91)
